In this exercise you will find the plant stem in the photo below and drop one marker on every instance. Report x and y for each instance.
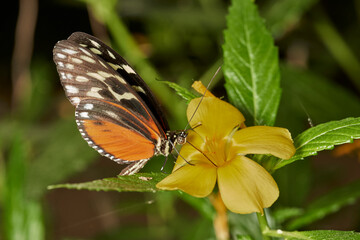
(263, 225)
(221, 225)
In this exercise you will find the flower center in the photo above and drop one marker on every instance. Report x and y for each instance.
(218, 149)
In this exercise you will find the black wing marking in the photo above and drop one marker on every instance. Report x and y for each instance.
(119, 64)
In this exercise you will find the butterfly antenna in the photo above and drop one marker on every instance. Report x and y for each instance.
(177, 151)
(207, 88)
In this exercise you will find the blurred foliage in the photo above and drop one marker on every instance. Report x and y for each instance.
(178, 41)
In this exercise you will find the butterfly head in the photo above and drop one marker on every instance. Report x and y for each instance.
(179, 137)
(173, 138)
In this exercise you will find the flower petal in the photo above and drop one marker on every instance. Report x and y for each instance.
(246, 187)
(217, 118)
(264, 140)
(198, 180)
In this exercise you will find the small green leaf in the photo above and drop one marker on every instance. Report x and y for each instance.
(182, 92)
(327, 204)
(141, 182)
(314, 235)
(251, 65)
(323, 137)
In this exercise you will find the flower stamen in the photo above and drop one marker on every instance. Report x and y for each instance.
(228, 140)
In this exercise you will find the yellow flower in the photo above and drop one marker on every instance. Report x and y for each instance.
(216, 151)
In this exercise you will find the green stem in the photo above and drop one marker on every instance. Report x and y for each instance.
(263, 225)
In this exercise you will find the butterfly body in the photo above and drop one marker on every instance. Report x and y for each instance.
(116, 112)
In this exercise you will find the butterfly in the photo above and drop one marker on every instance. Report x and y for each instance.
(116, 112)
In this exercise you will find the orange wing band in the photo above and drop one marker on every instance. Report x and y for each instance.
(118, 141)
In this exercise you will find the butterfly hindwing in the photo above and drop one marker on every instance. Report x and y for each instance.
(115, 132)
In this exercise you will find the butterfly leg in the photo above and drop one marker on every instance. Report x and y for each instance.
(134, 167)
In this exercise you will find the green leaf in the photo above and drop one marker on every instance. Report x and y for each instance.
(251, 65)
(182, 92)
(327, 204)
(323, 137)
(141, 182)
(316, 235)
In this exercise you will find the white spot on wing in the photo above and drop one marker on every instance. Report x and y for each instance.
(96, 44)
(81, 79)
(105, 74)
(96, 75)
(111, 55)
(69, 51)
(69, 66)
(96, 51)
(103, 64)
(60, 55)
(127, 96)
(94, 92)
(61, 64)
(84, 114)
(62, 74)
(71, 89)
(114, 66)
(69, 76)
(88, 106)
(138, 89)
(120, 79)
(85, 51)
(128, 69)
(76, 60)
(88, 59)
(75, 100)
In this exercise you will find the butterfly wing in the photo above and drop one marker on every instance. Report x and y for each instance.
(115, 131)
(111, 115)
(119, 64)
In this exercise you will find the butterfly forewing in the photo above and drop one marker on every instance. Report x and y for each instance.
(119, 64)
(112, 102)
